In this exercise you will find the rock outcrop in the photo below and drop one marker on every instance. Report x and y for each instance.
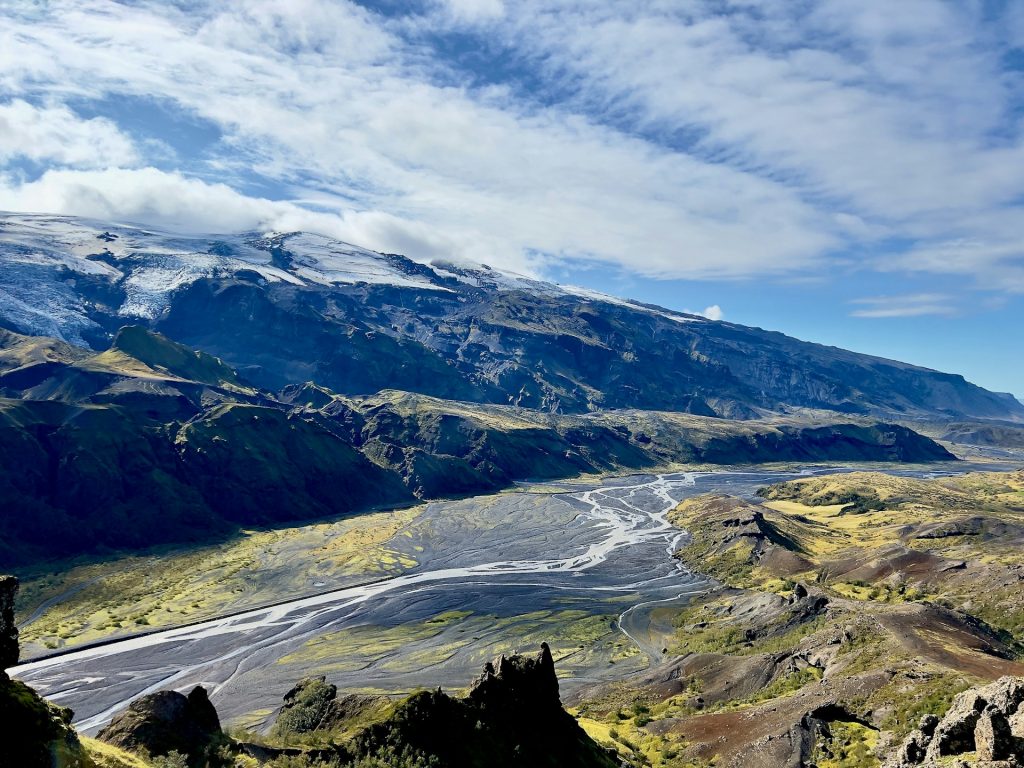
(8, 629)
(166, 721)
(984, 722)
(512, 717)
(314, 705)
(512, 683)
(35, 733)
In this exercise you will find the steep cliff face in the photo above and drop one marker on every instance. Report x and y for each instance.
(548, 351)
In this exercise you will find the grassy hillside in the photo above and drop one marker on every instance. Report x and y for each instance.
(150, 443)
(850, 605)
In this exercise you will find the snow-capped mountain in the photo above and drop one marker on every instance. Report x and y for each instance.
(284, 308)
(44, 257)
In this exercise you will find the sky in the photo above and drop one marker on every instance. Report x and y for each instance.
(846, 171)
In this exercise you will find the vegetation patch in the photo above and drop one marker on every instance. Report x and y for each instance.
(98, 600)
(847, 745)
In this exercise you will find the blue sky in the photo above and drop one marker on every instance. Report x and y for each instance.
(847, 171)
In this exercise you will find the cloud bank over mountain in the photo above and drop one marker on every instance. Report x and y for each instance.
(696, 140)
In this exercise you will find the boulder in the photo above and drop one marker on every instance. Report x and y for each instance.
(166, 721)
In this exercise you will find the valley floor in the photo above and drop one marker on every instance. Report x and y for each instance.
(392, 602)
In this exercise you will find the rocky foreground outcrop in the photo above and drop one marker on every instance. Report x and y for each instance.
(984, 725)
(164, 722)
(512, 717)
(33, 732)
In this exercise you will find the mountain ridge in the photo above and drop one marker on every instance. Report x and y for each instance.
(287, 308)
(121, 449)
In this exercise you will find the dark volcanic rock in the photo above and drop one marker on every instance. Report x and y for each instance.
(512, 718)
(8, 628)
(981, 720)
(515, 683)
(166, 721)
(33, 732)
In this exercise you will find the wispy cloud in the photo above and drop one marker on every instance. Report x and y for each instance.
(914, 305)
(672, 140)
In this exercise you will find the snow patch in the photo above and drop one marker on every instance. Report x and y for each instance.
(323, 260)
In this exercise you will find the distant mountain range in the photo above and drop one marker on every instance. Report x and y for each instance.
(157, 388)
(289, 308)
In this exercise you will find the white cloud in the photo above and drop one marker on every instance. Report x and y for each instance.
(898, 116)
(913, 305)
(445, 166)
(988, 253)
(895, 104)
(435, 167)
(684, 141)
(169, 200)
(55, 134)
(714, 312)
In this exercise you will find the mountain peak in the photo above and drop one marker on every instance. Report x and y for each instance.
(286, 308)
